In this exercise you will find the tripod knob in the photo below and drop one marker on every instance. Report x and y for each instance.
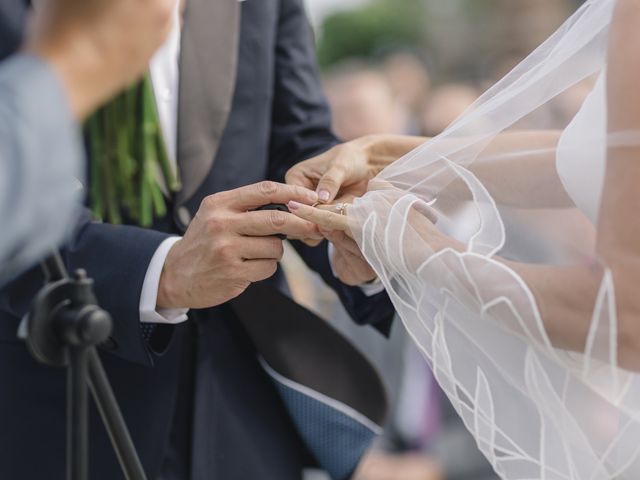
(64, 314)
(84, 327)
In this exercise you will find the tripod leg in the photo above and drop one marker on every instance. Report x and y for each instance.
(112, 419)
(77, 415)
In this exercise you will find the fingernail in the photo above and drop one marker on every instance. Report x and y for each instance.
(313, 196)
(293, 205)
(324, 195)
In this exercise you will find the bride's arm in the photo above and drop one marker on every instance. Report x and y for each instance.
(618, 232)
(618, 241)
(566, 295)
(525, 158)
(518, 168)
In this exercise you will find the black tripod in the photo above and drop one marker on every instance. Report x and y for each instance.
(63, 328)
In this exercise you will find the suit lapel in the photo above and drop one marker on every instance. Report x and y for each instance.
(208, 62)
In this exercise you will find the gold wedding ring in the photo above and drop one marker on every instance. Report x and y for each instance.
(341, 208)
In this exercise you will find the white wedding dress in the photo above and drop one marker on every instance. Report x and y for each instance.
(492, 181)
(580, 164)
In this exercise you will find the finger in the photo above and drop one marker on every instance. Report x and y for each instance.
(258, 270)
(394, 194)
(261, 248)
(330, 183)
(333, 208)
(264, 193)
(274, 222)
(426, 211)
(342, 241)
(313, 236)
(297, 176)
(322, 218)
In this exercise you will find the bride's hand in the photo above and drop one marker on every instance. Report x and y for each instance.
(348, 167)
(326, 217)
(348, 262)
(344, 169)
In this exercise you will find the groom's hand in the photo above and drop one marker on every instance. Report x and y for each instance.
(228, 245)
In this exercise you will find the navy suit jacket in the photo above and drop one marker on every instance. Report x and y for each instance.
(203, 374)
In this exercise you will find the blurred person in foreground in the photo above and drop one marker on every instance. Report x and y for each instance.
(76, 55)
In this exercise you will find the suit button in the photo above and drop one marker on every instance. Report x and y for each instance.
(184, 217)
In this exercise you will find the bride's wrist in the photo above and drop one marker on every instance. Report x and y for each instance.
(384, 149)
(376, 148)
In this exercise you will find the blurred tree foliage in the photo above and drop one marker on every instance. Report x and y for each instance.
(461, 38)
(365, 31)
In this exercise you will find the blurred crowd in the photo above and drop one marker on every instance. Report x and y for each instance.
(394, 96)
(424, 438)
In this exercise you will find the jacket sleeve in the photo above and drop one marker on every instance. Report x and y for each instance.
(301, 128)
(116, 257)
(301, 120)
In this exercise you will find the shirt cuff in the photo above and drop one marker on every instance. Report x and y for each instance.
(149, 296)
(369, 289)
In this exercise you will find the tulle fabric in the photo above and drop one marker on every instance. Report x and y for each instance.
(537, 412)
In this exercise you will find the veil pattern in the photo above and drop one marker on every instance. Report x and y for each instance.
(536, 411)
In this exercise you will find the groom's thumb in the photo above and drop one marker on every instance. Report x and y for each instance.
(330, 183)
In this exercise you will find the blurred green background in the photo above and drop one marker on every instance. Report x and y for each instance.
(457, 37)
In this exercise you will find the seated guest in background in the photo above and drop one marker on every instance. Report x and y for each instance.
(363, 103)
(445, 104)
(410, 81)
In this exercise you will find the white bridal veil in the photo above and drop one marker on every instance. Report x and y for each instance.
(516, 192)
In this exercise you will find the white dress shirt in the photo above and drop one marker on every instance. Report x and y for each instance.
(165, 79)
